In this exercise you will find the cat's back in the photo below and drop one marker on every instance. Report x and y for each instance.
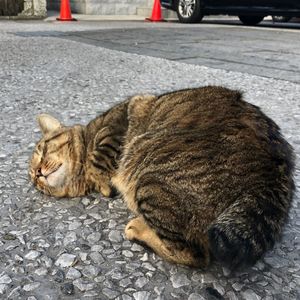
(210, 140)
(197, 107)
(216, 112)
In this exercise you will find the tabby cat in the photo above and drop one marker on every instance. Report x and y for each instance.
(207, 174)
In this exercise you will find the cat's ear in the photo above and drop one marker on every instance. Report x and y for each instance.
(48, 123)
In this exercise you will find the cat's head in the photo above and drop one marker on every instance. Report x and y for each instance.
(57, 166)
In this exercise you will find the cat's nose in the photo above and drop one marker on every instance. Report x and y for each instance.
(38, 172)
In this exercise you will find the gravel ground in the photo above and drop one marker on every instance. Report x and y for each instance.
(75, 248)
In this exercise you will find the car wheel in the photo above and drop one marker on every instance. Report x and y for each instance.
(282, 19)
(189, 11)
(250, 20)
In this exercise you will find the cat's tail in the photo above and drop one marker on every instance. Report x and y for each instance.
(246, 229)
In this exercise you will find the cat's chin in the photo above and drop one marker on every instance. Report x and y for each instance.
(58, 177)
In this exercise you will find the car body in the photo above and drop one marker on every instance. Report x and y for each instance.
(250, 12)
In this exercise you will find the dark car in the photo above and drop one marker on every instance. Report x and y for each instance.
(250, 12)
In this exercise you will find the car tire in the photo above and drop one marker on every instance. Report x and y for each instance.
(189, 11)
(250, 20)
(282, 19)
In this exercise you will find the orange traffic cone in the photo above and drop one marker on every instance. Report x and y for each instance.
(156, 13)
(65, 11)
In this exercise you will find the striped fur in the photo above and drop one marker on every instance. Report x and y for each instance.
(83, 157)
(208, 174)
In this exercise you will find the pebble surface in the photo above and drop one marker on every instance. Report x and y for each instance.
(52, 249)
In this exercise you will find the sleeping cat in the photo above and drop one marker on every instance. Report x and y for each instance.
(207, 174)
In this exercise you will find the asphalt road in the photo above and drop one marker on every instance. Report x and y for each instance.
(75, 248)
(269, 50)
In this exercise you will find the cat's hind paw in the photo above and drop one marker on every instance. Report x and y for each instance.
(135, 229)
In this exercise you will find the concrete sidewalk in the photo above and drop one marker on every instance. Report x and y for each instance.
(166, 14)
(52, 15)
